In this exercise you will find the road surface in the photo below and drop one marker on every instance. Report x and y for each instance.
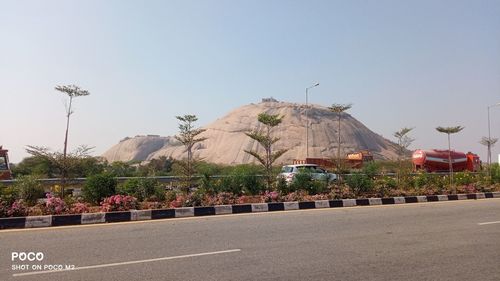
(456, 240)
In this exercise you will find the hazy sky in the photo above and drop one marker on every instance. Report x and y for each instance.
(401, 63)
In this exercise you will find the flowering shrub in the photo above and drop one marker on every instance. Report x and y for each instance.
(4, 207)
(18, 209)
(222, 198)
(178, 202)
(295, 196)
(194, 199)
(341, 192)
(469, 188)
(315, 197)
(55, 205)
(244, 199)
(272, 196)
(79, 208)
(119, 203)
(146, 205)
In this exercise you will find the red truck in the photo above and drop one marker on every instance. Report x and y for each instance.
(436, 160)
(5, 173)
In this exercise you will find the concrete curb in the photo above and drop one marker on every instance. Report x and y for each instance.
(139, 215)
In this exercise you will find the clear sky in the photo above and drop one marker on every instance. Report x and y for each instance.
(401, 63)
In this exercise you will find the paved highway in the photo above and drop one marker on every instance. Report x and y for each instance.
(457, 240)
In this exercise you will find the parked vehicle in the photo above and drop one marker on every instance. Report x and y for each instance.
(288, 172)
(4, 165)
(438, 161)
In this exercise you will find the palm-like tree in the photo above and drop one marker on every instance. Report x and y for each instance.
(264, 138)
(449, 131)
(339, 109)
(489, 143)
(404, 141)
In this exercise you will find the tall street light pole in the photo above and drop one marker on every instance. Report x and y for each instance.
(307, 119)
(489, 138)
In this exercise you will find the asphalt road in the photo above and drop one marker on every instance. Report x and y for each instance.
(428, 241)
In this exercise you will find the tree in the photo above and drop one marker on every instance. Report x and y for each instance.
(489, 143)
(404, 141)
(72, 91)
(339, 109)
(449, 131)
(66, 163)
(264, 138)
(188, 136)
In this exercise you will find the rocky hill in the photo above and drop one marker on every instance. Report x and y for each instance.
(226, 139)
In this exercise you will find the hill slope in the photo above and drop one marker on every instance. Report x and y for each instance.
(226, 139)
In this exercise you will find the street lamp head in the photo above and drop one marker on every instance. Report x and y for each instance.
(312, 86)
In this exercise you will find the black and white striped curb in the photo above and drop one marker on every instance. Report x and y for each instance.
(139, 215)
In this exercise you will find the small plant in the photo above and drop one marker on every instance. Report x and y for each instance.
(464, 178)
(143, 189)
(119, 203)
(98, 187)
(384, 185)
(194, 199)
(301, 181)
(29, 189)
(359, 183)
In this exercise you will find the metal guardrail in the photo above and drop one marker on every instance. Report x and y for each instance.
(172, 179)
(163, 179)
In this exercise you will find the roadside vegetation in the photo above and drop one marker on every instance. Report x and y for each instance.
(212, 185)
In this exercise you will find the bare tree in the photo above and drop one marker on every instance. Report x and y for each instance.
(72, 91)
(64, 162)
(264, 138)
(404, 141)
(489, 143)
(188, 136)
(339, 109)
(449, 131)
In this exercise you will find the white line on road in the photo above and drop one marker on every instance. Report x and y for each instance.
(128, 262)
(491, 222)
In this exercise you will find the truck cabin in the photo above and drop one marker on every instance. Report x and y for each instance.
(4, 165)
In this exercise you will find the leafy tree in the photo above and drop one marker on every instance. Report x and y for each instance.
(449, 131)
(159, 166)
(35, 166)
(121, 169)
(189, 136)
(264, 138)
(404, 141)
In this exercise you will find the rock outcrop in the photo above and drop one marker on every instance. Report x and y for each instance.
(226, 139)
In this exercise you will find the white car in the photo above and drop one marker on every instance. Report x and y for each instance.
(288, 172)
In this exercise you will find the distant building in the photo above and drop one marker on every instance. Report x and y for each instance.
(271, 99)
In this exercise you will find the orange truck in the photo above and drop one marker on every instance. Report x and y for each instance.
(354, 160)
(5, 173)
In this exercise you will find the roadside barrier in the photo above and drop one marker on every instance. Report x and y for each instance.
(140, 215)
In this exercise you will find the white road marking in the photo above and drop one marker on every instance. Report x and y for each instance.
(491, 222)
(127, 262)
